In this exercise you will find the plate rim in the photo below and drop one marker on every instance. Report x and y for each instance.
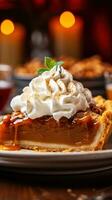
(30, 153)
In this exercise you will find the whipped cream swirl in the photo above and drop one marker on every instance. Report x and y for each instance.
(53, 93)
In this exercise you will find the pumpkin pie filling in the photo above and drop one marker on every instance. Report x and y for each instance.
(47, 134)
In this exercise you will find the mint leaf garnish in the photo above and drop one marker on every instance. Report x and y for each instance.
(50, 63)
(40, 71)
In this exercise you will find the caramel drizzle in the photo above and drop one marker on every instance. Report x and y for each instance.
(14, 145)
(15, 134)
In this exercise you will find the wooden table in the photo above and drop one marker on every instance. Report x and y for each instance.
(27, 187)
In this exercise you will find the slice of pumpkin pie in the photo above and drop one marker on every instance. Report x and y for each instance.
(55, 113)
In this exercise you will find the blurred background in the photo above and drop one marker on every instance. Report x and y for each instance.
(76, 31)
(35, 16)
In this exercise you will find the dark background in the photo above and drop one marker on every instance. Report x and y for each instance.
(35, 15)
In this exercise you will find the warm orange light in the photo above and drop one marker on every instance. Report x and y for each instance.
(7, 27)
(67, 19)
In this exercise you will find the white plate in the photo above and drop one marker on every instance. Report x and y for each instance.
(56, 163)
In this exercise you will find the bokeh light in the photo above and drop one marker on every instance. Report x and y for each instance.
(67, 19)
(7, 27)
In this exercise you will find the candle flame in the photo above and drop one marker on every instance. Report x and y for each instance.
(67, 19)
(7, 27)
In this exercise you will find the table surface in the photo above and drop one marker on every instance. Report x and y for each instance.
(28, 187)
